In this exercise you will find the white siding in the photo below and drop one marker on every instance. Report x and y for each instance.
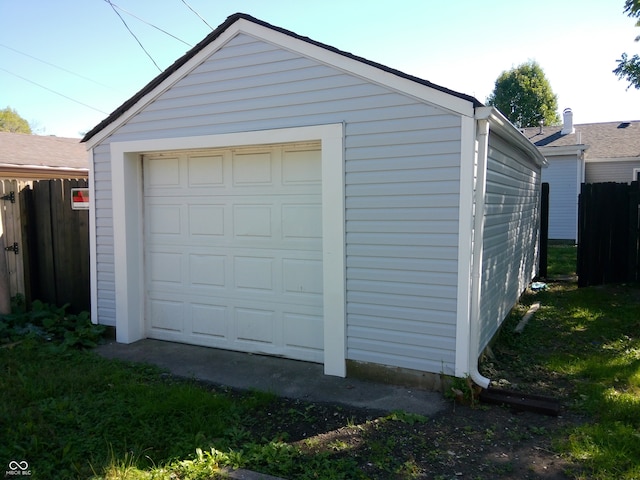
(402, 160)
(563, 175)
(620, 171)
(512, 208)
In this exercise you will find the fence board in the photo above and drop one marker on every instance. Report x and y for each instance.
(608, 223)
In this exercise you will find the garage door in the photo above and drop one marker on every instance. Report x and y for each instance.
(233, 249)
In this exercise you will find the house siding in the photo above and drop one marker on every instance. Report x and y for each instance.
(510, 241)
(562, 176)
(619, 171)
(402, 188)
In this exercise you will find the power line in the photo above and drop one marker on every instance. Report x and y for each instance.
(197, 14)
(133, 34)
(147, 23)
(53, 91)
(55, 66)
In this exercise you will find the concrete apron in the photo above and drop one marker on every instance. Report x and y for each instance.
(283, 377)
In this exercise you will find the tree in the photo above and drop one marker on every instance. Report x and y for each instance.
(629, 67)
(10, 121)
(523, 95)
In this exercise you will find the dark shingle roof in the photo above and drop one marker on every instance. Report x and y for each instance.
(218, 31)
(605, 140)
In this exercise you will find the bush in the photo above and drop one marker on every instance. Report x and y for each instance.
(49, 323)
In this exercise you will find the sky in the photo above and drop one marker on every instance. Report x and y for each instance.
(66, 64)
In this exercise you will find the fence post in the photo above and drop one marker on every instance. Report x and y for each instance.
(544, 231)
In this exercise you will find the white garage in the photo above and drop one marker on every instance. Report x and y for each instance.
(233, 248)
(271, 194)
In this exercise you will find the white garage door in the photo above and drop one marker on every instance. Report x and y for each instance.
(233, 249)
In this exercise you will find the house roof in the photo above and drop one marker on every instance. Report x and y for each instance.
(604, 140)
(24, 150)
(219, 31)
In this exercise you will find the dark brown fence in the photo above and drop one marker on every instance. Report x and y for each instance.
(55, 245)
(608, 227)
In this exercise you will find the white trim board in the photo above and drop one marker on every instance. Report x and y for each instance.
(128, 236)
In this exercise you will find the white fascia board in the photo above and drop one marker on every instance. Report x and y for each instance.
(499, 124)
(282, 40)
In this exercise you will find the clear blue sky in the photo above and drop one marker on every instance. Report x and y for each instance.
(463, 45)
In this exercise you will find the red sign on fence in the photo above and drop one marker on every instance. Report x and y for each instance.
(80, 198)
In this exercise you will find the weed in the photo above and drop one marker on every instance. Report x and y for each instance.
(408, 418)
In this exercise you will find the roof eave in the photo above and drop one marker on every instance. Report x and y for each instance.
(504, 128)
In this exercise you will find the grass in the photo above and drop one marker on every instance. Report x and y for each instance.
(562, 260)
(72, 414)
(587, 341)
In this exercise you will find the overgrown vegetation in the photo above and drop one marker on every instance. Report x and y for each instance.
(73, 414)
(49, 323)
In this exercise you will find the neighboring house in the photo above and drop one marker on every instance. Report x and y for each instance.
(271, 194)
(34, 157)
(583, 153)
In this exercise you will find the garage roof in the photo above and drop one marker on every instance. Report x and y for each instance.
(222, 28)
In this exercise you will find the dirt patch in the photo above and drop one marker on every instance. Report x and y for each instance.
(483, 442)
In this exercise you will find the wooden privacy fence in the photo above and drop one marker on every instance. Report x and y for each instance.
(608, 228)
(47, 243)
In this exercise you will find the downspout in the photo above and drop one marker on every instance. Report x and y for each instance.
(478, 236)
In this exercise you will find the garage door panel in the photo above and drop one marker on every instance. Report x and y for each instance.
(252, 220)
(301, 221)
(304, 332)
(166, 267)
(165, 219)
(206, 220)
(205, 171)
(301, 167)
(210, 320)
(253, 273)
(302, 277)
(163, 172)
(233, 249)
(166, 315)
(207, 270)
(254, 325)
(252, 169)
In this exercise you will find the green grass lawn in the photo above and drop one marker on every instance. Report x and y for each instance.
(73, 414)
(584, 346)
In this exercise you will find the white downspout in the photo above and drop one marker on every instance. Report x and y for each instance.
(476, 267)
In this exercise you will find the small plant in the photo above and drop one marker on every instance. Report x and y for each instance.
(49, 323)
(408, 418)
(463, 391)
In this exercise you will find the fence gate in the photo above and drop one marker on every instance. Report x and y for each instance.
(55, 244)
(11, 233)
(608, 231)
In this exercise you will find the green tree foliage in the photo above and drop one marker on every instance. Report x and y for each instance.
(523, 95)
(10, 121)
(629, 67)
